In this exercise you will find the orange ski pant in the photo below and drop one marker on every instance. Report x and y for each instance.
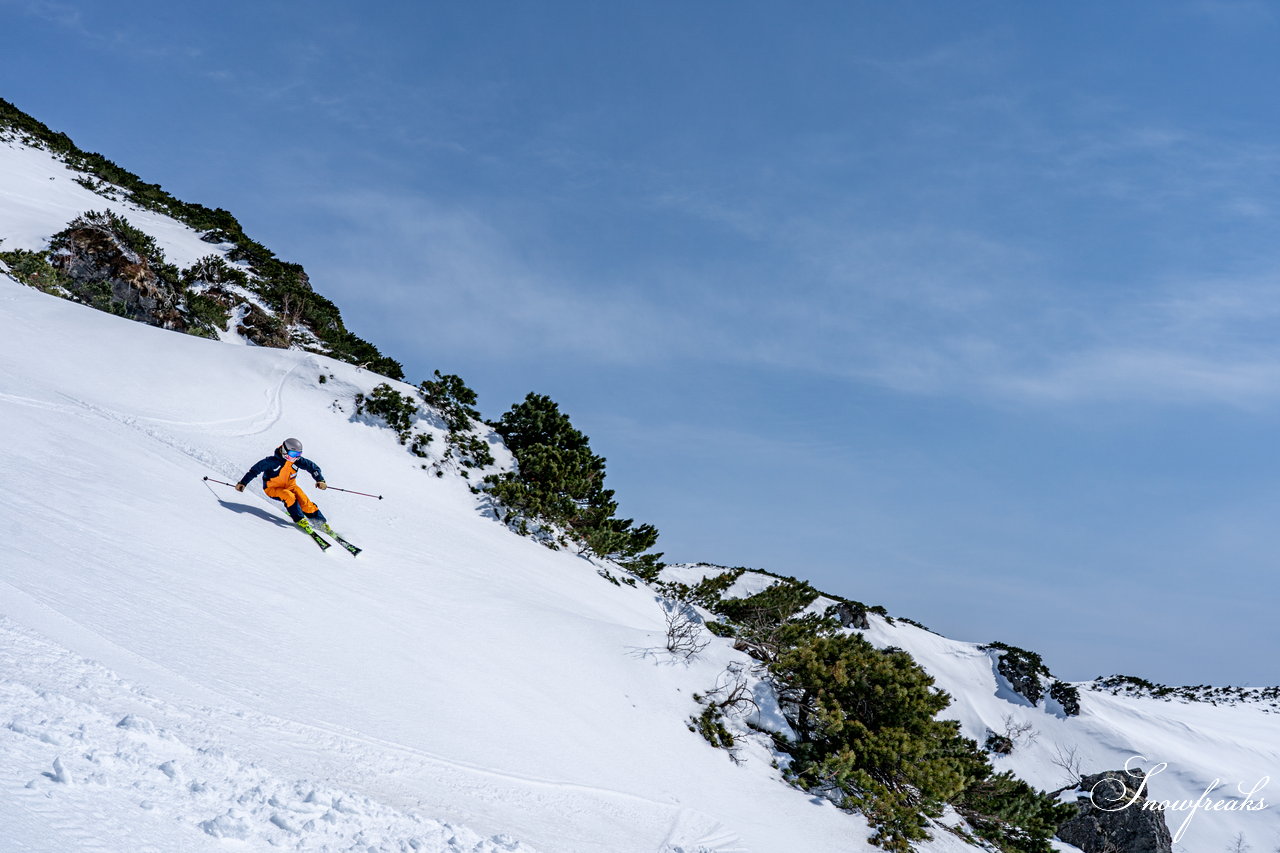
(292, 494)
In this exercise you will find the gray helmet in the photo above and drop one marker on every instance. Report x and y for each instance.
(292, 444)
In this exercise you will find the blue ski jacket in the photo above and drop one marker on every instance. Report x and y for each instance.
(270, 467)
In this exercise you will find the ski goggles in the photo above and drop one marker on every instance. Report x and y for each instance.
(293, 454)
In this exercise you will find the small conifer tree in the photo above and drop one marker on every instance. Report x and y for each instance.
(559, 480)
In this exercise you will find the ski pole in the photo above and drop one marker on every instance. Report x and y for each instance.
(350, 492)
(223, 482)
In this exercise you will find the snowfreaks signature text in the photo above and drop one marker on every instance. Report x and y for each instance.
(1105, 798)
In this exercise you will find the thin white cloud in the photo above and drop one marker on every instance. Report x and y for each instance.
(63, 15)
(1234, 14)
(920, 312)
(1149, 376)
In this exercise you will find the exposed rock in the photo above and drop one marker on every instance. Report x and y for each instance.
(852, 615)
(1111, 817)
(109, 276)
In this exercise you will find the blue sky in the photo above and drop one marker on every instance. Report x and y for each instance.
(971, 310)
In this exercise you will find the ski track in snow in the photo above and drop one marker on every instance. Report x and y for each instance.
(71, 730)
(694, 832)
(246, 425)
(154, 428)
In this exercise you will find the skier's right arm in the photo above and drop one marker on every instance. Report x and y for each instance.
(257, 469)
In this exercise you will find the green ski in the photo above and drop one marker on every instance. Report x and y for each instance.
(352, 549)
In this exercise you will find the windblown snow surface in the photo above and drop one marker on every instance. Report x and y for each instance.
(181, 669)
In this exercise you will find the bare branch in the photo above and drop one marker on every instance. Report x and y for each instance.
(1070, 761)
(685, 637)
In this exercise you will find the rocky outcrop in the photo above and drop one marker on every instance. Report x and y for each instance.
(852, 615)
(100, 269)
(1111, 818)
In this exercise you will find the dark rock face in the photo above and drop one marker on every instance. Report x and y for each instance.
(1111, 818)
(852, 615)
(111, 278)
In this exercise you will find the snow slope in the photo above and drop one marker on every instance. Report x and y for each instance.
(39, 196)
(454, 669)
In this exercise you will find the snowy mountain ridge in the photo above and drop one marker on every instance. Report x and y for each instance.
(180, 670)
(125, 248)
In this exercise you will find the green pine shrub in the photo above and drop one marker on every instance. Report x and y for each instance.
(706, 592)
(998, 743)
(1022, 669)
(1009, 813)
(867, 733)
(710, 724)
(455, 402)
(206, 315)
(560, 481)
(126, 234)
(398, 411)
(213, 270)
(720, 629)
(34, 270)
(1066, 695)
(265, 330)
(768, 623)
(450, 396)
(418, 446)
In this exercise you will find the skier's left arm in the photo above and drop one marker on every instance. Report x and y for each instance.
(314, 470)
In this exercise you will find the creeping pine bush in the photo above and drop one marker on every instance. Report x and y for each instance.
(455, 402)
(710, 724)
(212, 269)
(399, 411)
(706, 592)
(560, 481)
(206, 315)
(769, 622)
(1066, 695)
(1023, 669)
(204, 280)
(33, 269)
(1010, 813)
(136, 240)
(450, 396)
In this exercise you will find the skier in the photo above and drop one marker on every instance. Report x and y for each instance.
(279, 474)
